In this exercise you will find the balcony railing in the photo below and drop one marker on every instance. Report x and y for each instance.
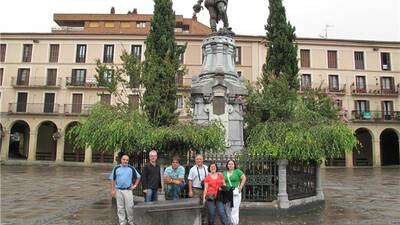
(88, 83)
(77, 109)
(376, 116)
(183, 82)
(33, 108)
(341, 89)
(374, 90)
(36, 82)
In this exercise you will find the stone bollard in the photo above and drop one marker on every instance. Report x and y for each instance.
(283, 200)
(320, 193)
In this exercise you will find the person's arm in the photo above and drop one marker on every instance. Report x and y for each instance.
(242, 182)
(190, 183)
(223, 180)
(113, 188)
(137, 180)
(205, 192)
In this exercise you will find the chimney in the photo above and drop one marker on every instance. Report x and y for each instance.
(112, 11)
(134, 11)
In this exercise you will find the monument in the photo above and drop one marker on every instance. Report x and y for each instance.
(217, 92)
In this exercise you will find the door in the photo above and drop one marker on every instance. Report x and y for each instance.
(49, 102)
(76, 103)
(22, 101)
(51, 77)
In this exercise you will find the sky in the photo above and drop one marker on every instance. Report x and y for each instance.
(346, 19)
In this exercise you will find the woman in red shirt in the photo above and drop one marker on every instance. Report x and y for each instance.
(212, 184)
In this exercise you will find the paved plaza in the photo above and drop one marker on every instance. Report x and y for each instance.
(78, 195)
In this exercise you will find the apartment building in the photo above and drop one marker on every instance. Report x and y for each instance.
(47, 83)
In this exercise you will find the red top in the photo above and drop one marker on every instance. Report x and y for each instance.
(213, 184)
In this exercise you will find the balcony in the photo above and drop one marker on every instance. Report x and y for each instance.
(183, 82)
(77, 109)
(374, 90)
(86, 84)
(339, 90)
(33, 108)
(375, 116)
(36, 82)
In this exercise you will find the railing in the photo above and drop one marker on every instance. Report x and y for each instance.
(88, 83)
(341, 89)
(103, 157)
(78, 156)
(36, 82)
(33, 108)
(66, 28)
(77, 109)
(374, 90)
(301, 179)
(375, 116)
(183, 82)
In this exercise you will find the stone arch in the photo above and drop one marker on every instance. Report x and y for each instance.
(19, 140)
(389, 146)
(46, 146)
(72, 154)
(364, 155)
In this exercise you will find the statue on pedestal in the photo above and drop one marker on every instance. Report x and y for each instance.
(217, 10)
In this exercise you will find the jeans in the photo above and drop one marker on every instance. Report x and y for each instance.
(215, 207)
(174, 190)
(151, 195)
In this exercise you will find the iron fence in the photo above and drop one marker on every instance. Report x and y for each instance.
(301, 179)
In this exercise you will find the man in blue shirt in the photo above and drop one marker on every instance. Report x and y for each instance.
(174, 176)
(124, 178)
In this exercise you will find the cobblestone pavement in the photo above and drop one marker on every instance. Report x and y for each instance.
(77, 195)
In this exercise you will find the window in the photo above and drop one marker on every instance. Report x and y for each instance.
(108, 56)
(133, 101)
(179, 80)
(305, 58)
(77, 103)
(23, 77)
(125, 25)
(93, 24)
(80, 53)
(136, 50)
(78, 77)
(333, 82)
(385, 58)
(306, 81)
(141, 24)
(359, 60)
(54, 52)
(179, 102)
(332, 59)
(27, 53)
(109, 25)
(3, 49)
(1, 76)
(181, 55)
(238, 55)
(387, 83)
(361, 84)
(362, 106)
(338, 104)
(387, 108)
(48, 102)
(107, 76)
(105, 99)
(51, 79)
(22, 100)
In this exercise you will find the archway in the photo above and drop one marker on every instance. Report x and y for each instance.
(19, 140)
(72, 154)
(390, 152)
(46, 143)
(363, 157)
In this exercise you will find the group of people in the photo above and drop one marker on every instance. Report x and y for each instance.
(219, 192)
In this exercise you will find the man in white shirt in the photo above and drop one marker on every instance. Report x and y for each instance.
(196, 177)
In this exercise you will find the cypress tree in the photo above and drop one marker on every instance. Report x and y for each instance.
(281, 58)
(161, 66)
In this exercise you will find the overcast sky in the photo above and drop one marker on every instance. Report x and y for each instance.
(349, 19)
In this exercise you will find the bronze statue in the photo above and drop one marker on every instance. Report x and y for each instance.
(217, 10)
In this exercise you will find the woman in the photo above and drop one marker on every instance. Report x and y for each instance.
(212, 185)
(234, 179)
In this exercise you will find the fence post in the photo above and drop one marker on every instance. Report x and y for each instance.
(283, 200)
(320, 193)
(161, 194)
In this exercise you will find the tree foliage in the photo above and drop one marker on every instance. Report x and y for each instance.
(161, 66)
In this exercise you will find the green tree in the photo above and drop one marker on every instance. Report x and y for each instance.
(161, 67)
(281, 57)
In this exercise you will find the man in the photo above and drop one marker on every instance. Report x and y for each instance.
(217, 10)
(196, 177)
(124, 178)
(174, 177)
(151, 178)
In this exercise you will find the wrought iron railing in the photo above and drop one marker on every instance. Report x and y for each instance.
(301, 179)
(87, 83)
(103, 157)
(340, 89)
(374, 90)
(34, 108)
(376, 116)
(183, 82)
(36, 82)
(78, 156)
(77, 109)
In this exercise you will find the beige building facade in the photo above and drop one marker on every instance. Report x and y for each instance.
(47, 83)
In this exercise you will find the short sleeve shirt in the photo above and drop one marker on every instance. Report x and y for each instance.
(194, 173)
(234, 178)
(214, 184)
(178, 173)
(124, 176)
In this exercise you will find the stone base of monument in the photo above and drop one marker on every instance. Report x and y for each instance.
(180, 212)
